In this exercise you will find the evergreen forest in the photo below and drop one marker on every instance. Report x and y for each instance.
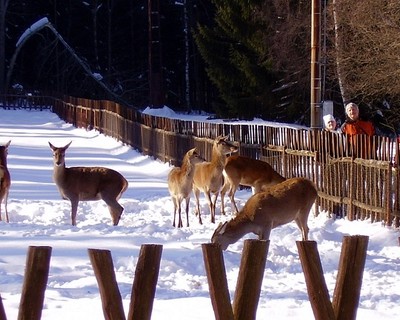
(235, 58)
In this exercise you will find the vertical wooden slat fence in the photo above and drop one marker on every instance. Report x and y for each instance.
(329, 159)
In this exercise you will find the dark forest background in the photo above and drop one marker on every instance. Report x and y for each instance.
(235, 58)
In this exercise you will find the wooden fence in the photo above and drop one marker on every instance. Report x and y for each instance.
(247, 293)
(357, 179)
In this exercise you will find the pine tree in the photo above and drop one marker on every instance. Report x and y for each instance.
(236, 58)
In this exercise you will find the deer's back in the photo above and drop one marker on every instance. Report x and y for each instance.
(249, 171)
(90, 180)
(282, 202)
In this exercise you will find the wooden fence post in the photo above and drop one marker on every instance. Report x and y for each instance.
(144, 285)
(35, 281)
(314, 276)
(2, 311)
(217, 283)
(251, 273)
(110, 296)
(348, 284)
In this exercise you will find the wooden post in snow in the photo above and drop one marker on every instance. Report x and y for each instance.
(110, 296)
(217, 283)
(35, 281)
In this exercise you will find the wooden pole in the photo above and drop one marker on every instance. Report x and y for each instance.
(315, 98)
(144, 285)
(110, 296)
(251, 273)
(348, 284)
(35, 281)
(217, 283)
(316, 287)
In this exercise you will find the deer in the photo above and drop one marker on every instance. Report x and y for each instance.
(180, 184)
(248, 172)
(280, 204)
(5, 179)
(88, 184)
(208, 177)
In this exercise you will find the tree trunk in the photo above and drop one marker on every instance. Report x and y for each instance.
(339, 53)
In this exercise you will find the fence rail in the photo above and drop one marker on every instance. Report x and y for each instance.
(357, 178)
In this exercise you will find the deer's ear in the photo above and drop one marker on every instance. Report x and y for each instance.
(66, 147)
(221, 228)
(51, 146)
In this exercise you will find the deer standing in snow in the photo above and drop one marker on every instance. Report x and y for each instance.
(208, 176)
(280, 204)
(5, 178)
(247, 172)
(180, 183)
(87, 184)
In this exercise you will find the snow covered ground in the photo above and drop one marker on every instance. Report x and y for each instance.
(40, 218)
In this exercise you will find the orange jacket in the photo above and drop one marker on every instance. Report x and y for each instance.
(358, 127)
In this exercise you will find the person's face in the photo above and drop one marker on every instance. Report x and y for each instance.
(352, 112)
(331, 125)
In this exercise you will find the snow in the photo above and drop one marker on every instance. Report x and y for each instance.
(32, 29)
(40, 218)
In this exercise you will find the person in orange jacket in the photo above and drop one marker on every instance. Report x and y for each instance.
(353, 123)
(354, 126)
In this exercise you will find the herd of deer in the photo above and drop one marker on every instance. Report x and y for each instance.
(275, 200)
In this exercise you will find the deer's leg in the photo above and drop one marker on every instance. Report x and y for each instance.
(224, 190)
(180, 213)
(74, 209)
(197, 196)
(232, 192)
(212, 200)
(113, 206)
(266, 233)
(174, 200)
(302, 224)
(187, 210)
(2, 195)
(5, 207)
(116, 211)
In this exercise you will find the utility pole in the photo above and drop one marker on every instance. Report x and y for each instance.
(315, 99)
(156, 90)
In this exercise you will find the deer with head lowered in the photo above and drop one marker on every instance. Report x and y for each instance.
(180, 183)
(87, 184)
(280, 204)
(208, 176)
(5, 178)
(248, 172)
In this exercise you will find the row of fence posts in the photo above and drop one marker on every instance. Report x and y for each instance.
(254, 256)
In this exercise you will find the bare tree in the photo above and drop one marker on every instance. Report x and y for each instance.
(367, 38)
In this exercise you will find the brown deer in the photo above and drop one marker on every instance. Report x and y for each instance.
(247, 172)
(87, 184)
(180, 183)
(289, 200)
(5, 178)
(208, 176)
